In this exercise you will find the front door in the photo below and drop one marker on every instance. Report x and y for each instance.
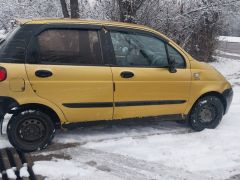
(143, 84)
(66, 67)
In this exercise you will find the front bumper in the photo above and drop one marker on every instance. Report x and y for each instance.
(228, 96)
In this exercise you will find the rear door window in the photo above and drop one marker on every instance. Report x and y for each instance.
(73, 47)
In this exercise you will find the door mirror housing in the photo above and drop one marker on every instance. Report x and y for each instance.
(172, 67)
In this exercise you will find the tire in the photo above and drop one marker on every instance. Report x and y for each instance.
(207, 112)
(30, 130)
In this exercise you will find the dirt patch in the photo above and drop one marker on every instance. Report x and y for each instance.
(50, 157)
(91, 163)
(100, 167)
(59, 146)
(104, 168)
(48, 154)
(235, 177)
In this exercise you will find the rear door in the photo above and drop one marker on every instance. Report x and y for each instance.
(143, 84)
(65, 66)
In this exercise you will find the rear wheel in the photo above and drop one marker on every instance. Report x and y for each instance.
(30, 130)
(206, 113)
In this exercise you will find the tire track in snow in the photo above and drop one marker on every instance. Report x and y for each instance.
(125, 167)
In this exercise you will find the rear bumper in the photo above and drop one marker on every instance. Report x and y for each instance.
(228, 95)
(6, 104)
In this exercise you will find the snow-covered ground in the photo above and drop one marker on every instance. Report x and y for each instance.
(231, 39)
(149, 149)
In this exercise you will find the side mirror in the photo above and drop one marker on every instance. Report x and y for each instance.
(172, 67)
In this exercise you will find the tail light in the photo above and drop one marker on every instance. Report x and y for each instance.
(3, 74)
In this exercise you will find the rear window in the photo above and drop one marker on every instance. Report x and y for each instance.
(73, 47)
(13, 47)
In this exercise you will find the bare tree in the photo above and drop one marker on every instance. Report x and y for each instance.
(128, 9)
(193, 24)
(64, 9)
(74, 9)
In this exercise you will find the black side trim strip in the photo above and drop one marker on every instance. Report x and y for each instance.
(88, 105)
(145, 103)
(121, 104)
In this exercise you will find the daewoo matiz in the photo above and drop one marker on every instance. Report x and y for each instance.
(58, 72)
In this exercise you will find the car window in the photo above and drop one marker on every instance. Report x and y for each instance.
(69, 47)
(174, 54)
(13, 46)
(138, 50)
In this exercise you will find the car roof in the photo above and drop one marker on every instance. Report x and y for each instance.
(75, 21)
(89, 22)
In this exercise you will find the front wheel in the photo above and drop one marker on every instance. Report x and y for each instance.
(30, 130)
(206, 113)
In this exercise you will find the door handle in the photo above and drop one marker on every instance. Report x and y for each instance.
(127, 74)
(43, 73)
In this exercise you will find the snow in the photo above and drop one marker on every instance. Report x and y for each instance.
(24, 172)
(92, 3)
(226, 53)
(2, 34)
(3, 138)
(230, 68)
(11, 174)
(4, 142)
(229, 39)
(57, 167)
(62, 169)
(195, 152)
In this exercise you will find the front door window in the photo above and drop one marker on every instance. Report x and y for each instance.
(138, 50)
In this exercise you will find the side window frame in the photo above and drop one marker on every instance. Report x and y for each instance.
(185, 63)
(108, 53)
(134, 32)
(141, 32)
(33, 48)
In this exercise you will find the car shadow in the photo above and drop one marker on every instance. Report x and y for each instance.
(110, 130)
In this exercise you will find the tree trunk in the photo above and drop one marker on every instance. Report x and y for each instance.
(128, 9)
(74, 9)
(64, 9)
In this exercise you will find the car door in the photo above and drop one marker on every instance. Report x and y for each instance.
(65, 66)
(144, 86)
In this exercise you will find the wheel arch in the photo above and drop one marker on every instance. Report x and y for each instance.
(44, 108)
(211, 93)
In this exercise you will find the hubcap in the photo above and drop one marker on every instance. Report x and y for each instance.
(207, 114)
(31, 130)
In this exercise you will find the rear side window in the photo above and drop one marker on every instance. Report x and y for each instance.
(13, 47)
(73, 47)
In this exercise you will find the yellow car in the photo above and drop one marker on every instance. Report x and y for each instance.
(60, 72)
